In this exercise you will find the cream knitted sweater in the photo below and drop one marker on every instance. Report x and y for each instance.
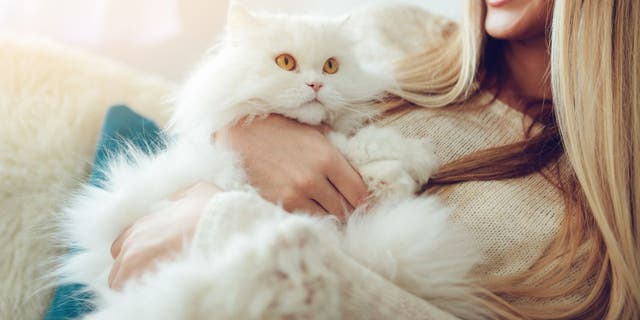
(513, 220)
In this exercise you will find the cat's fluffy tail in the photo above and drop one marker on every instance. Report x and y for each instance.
(415, 245)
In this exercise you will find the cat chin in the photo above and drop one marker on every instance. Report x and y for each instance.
(313, 113)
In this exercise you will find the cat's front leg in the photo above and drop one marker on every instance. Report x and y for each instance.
(251, 260)
(391, 164)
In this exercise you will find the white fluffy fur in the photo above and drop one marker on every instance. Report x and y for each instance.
(392, 165)
(271, 265)
(240, 78)
(97, 216)
(259, 262)
(262, 263)
(411, 243)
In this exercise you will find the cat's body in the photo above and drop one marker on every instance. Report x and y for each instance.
(237, 274)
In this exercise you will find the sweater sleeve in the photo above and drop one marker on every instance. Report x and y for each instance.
(205, 230)
(364, 293)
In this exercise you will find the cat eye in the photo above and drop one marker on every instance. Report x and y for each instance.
(286, 62)
(331, 66)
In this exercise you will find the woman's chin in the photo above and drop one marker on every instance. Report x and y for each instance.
(520, 21)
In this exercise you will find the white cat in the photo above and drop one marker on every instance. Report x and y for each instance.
(257, 261)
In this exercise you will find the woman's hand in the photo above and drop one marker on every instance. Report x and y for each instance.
(295, 164)
(159, 234)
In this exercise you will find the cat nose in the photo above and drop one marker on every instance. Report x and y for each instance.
(316, 85)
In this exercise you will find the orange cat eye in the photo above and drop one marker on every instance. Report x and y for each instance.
(331, 66)
(286, 62)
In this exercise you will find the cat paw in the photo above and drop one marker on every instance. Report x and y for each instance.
(305, 286)
(281, 271)
(275, 264)
(390, 163)
(388, 179)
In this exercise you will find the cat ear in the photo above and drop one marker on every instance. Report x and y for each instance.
(239, 18)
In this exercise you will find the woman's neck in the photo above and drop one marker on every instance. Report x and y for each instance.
(527, 79)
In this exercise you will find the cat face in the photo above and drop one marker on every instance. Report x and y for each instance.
(280, 64)
(300, 60)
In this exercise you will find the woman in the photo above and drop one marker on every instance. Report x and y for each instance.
(539, 135)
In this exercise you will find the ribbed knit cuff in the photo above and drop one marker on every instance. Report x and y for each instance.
(204, 229)
(223, 216)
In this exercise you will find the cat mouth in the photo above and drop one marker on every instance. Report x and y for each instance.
(313, 101)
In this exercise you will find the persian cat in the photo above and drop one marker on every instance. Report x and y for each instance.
(254, 261)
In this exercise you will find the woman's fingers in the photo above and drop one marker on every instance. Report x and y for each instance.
(347, 181)
(330, 199)
(313, 207)
(135, 265)
(116, 246)
(295, 200)
(114, 272)
(139, 253)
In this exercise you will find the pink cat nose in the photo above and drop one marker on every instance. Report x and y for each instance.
(316, 85)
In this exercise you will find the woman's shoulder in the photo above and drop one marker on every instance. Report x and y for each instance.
(391, 31)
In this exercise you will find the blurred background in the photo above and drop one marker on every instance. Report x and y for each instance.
(162, 37)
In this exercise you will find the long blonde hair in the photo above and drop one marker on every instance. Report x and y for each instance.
(595, 73)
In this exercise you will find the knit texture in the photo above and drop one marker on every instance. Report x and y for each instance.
(513, 220)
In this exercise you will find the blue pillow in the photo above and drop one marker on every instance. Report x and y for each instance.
(121, 125)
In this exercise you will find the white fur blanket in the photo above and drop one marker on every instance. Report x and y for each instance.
(52, 102)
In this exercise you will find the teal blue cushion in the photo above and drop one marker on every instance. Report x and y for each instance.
(122, 126)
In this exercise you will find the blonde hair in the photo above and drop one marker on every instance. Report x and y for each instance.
(595, 73)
